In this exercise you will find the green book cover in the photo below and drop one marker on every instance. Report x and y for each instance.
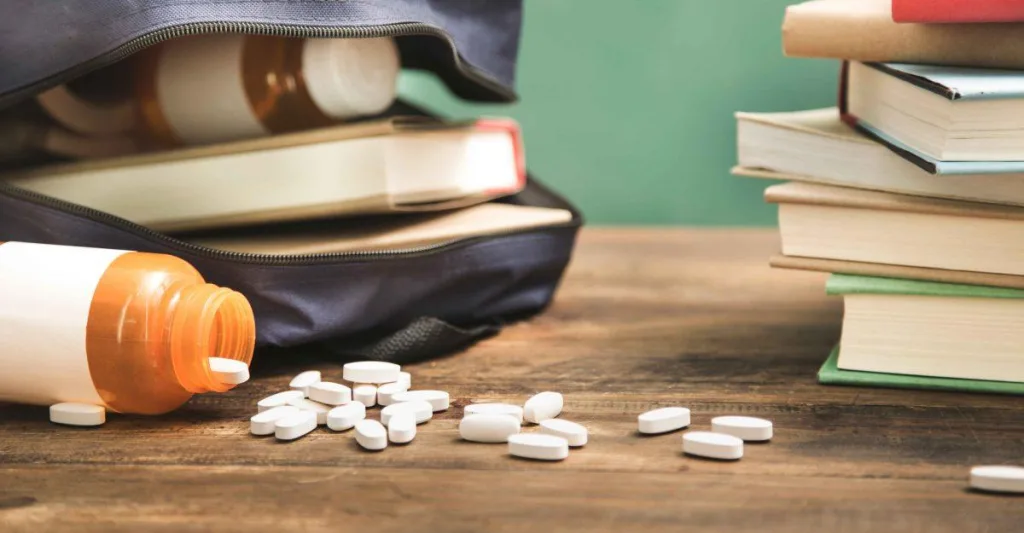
(839, 284)
(831, 374)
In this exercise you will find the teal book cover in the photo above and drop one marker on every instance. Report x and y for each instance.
(831, 374)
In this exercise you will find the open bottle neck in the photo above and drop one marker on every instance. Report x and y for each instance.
(208, 321)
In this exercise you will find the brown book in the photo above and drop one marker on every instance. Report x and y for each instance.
(825, 222)
(878, 270)
(863, 30)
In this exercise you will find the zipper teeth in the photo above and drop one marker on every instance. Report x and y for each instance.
(243, 257)
(259, 28)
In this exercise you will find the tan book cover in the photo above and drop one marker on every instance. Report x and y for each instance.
(891, 229)
(386, 233)
(825, 195)
(395, 165)
(863, 30)
(859, 268)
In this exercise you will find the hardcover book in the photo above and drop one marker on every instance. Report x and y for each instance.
(863, 30)
(825, 222)
(816, 146)
(831, 374)
(923, 328)
(946, 120)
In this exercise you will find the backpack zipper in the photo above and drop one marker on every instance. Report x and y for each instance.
(261, 28)
(251, 258)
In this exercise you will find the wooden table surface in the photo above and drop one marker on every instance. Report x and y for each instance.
(645, 319)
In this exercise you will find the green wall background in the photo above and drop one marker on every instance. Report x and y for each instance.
(627, 106)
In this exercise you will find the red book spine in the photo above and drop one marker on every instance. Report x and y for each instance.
(958, 10)
(511, 127)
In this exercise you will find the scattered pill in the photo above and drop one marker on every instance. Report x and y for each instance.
(402, 427)
(747, 428)
(302, 381)
(998, 478)
(664, 420)
(279, 399)
(344, 417)
(330, 393)
(542, 406)
(420, 409)
(263, 423)
(437, 399)
(295, 425)
(514, 411)
(371, 372)
(317, 408)
(405, 380)
(712, 445)
(572, 432)
(387, 390)
(371, 435)
(538, 446)
(230, 371)
(365, 394)
(489, 428)
(77, 414)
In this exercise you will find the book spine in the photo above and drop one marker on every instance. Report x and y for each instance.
(840, 34)
(515, 132)
(904, 11)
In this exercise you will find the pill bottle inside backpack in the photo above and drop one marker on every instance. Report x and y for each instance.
(215, 88)
(130, 331)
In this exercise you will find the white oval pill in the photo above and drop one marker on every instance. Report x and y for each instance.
(438, 399)
(402, 427)
(77, 414)
(365, 394)
(330, 393)
(230, 371)
(405, 380)
(572, 432)
(317, 408)
(664, 420)
(542, 406)
(488, 427)
(420, 409)
(747, 428)
(263, 423)
(998, 478)
(302, 381)
(712, 445)
(279, 399)
(345, 417)
(371, 372)
(538, 446)
(387, 390)
(514, 411)
(371, 435)
(295, 425)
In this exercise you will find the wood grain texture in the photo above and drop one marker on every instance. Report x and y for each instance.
(646, 318)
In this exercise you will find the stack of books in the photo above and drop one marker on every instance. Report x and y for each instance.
(910, 191)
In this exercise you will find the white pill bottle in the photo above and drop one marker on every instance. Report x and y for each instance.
(129, 331)
(213, 88)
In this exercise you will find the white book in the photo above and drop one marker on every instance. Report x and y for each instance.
(815, 146)
(385, 166)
